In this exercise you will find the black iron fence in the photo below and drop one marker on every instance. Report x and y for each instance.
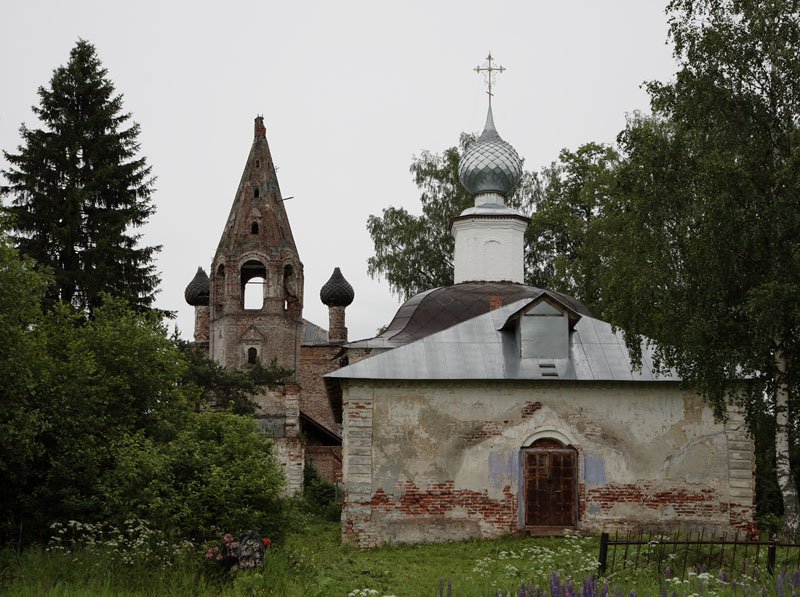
(735, 555)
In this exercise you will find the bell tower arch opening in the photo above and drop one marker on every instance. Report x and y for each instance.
(253, 284)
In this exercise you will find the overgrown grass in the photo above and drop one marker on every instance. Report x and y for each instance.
(314, 563)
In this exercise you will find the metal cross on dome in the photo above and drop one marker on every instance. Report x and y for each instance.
(490, 71)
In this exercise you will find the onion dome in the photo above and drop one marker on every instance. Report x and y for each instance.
(337, 291)
(196, 293)
(490, 165)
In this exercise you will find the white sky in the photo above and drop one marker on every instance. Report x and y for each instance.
(350, 91)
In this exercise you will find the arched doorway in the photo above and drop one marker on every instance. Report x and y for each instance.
(550, 471)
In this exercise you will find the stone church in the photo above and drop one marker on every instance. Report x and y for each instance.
(484, 408)
(491, 407)
(257, 259)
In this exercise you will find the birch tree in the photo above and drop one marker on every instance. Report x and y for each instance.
(704, 237)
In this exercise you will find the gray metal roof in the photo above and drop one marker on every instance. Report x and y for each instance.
(314, 335)
(480, 349)
(437, 309)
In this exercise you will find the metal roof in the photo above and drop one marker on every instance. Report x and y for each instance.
(440, 308)
(481, 349)
(313, 334)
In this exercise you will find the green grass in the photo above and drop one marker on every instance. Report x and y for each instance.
(315, 563)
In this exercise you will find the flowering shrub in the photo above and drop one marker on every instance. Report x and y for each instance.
(135, 542)
(246, 551)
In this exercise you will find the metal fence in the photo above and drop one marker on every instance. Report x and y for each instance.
(735, 555)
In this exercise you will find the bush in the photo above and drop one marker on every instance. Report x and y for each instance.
(218, 473)
(319, 495)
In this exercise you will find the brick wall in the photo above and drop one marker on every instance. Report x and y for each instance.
(327, 460)
(316, 361)
(441, 461)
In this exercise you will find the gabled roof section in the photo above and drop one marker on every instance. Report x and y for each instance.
(314, 335)
(483, 348)
(547, 299)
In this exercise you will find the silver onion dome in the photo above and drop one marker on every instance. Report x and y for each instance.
(490, 165)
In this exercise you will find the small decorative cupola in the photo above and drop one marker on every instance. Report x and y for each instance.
(337, 294)
(489, 237)
(196, 294)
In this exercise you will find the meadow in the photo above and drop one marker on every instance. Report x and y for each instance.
(136, 560)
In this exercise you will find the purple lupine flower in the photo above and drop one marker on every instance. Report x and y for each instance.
(734, 586)
(796, 579)
(571, 589)
(604, 592)
(724, 576)
(539, 592)
(563, 592)
(667, 573)
(555, 584)
(633, 593)
(779, 583)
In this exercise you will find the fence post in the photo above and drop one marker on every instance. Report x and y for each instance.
(603, 552)
(771, 552)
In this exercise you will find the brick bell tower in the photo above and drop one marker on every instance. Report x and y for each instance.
(257, 257)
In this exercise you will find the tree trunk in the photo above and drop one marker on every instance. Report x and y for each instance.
(786, 480)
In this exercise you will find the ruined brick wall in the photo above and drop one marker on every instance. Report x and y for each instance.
(327, 460)
(441, 461)
(278, 414)
(316, 361)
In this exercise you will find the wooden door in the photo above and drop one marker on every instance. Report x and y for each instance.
(550, 485)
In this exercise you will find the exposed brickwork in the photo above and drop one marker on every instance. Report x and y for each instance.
(327, 461)
(439, 501)
(477, 431)
(703, 508)
(433, 462)
(441, 498)
(316, 361)
(201, 323)
(337, 331)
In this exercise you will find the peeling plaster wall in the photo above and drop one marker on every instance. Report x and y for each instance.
(441, 461)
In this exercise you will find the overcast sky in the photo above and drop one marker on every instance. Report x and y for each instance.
(350, 91)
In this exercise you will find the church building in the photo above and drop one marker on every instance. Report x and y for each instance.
(486, 407)
(250, 310)
(491, 407)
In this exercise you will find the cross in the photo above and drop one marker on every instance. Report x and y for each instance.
(490, 70)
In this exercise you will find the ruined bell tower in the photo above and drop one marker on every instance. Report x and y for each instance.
(257, 257)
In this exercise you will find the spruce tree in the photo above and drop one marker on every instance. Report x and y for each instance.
(79, 190)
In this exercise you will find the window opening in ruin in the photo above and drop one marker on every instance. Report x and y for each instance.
(258, 163)
(291, 298)
(255, 193)
(253, 284)
(252, 356)
(254, 228)
(551, 484)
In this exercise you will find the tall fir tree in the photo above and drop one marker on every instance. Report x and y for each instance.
(79, 190)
